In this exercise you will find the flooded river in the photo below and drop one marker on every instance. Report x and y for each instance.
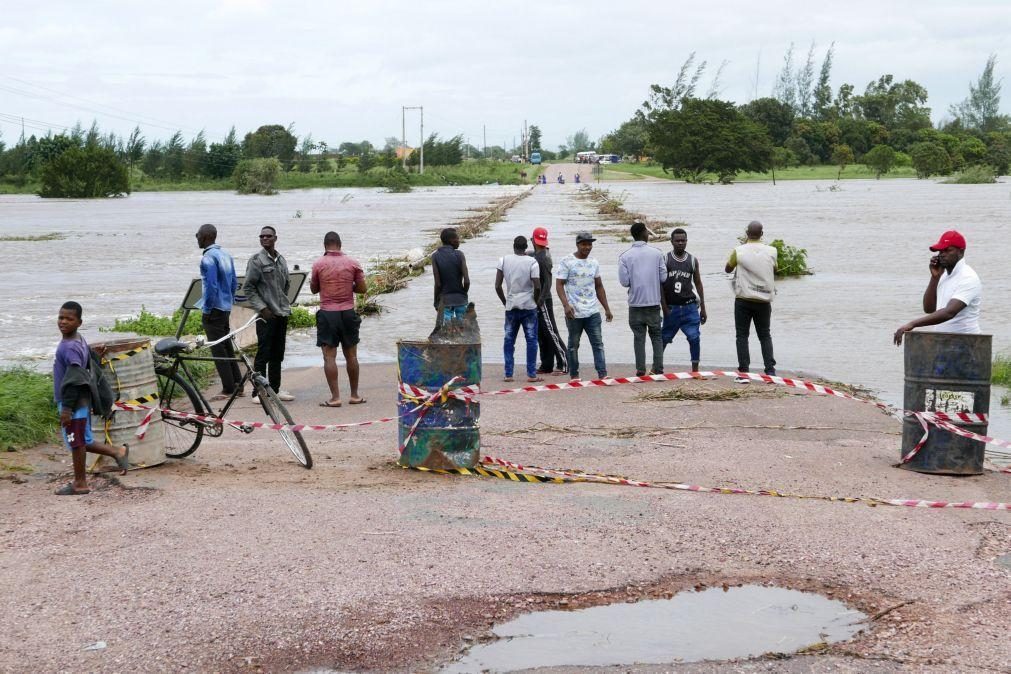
(867, 244)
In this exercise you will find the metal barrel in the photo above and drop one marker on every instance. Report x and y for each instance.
(447, 435)
(946, 372)
(128, 365)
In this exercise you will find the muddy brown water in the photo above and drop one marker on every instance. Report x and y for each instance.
(714, 624)
(866, 240)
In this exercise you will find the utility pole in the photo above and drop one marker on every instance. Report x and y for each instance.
(526, 142)
(484, 135)
(403, 136)
(403, 131)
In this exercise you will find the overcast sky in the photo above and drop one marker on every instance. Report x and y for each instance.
(341, 70)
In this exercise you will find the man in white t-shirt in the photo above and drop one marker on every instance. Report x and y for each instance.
(581, 292)
(953, 294)
(522, 277)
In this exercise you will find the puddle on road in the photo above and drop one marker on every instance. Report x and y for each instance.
(713, 624)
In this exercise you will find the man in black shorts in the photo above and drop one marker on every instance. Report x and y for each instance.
(337, 277)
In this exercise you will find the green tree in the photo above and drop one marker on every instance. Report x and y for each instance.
(579, 142)
(173, 158)
(785, 89)
(930, 158)
(535, 138)
(973, 150)
(628, 140)
(774, 115)
(980, 111)
(881, 158)
(998, 152)
(709, 136)
(823, 90)
(272, 140)
(135, 147)
(222, 158)
(85, 173)
(257, 176)
(842, 156)
(305, 154)
(894, 104)
(798, 147)
(366, 160)
(195, 156)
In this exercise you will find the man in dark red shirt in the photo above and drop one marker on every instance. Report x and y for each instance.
(337, 277)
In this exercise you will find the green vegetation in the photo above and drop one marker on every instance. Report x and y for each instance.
(27, 411)
(50, 236)
(154, 325)
(1001, 369)
(816, 172)
(257, 176)
(84, 173)
(973, 175)
(792, 260)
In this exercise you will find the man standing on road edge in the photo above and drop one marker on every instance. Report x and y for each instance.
(217, 274)
(754, 267)
(641, 269)
(954, 292)
(581, 292)
(266, 290)
(452, 281)
(337, 277)
(550, 342)
(521, 275)
(685, 312)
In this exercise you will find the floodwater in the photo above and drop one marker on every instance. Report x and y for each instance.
(714, 624)
(866, 240)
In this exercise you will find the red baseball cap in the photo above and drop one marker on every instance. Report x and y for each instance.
(540, 236)
(948, 239)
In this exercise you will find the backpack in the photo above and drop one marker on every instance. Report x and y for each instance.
(103, 404)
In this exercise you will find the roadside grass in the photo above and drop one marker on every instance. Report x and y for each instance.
(27, 411)
(49, 236)
(824, 172)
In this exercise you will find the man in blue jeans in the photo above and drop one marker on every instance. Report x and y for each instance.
(581, 292)
(686, 311)
(522, 278)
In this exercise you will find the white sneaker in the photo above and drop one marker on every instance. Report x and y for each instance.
(284, 396)
(742, 380)
(256, 400)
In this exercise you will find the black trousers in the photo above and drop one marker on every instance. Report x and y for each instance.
(549, 342)
(216, 326)
(747, 312)
(270, 336)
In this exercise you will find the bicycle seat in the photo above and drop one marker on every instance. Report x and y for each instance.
(170, 346)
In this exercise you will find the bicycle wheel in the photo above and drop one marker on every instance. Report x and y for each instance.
(182, 436)
(276, 410)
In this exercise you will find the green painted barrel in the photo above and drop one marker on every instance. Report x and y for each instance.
(128, 365)
(448, 434)
(946, 372)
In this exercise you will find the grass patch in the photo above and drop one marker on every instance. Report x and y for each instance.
(792, 261)
(973, 175)
(27, 410)
(155, 325)
(50, 236)
(1000, 372)
(827, 172)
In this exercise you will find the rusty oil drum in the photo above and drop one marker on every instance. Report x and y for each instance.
(946, 372)
(448, 435)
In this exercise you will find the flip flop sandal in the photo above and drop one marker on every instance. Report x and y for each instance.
(361, 401)
(68, 490)
(124, 461)
(327, 403)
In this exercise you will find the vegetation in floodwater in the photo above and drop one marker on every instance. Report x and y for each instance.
(973, 175)
(154, 325)
(27, 410)
(613, 207)
(817, 172)
(49, 236)
(1000, 372)
(792, 260)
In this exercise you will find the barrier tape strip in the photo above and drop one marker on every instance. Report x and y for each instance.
(125, 354)
(517, 474)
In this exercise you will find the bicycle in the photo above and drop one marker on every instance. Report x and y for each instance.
(179, 392)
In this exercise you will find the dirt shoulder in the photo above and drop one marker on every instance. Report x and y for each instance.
(237, 558)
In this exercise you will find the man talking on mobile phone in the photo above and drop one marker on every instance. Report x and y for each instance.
(953, 294)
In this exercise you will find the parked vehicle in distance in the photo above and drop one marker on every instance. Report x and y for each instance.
(516, 159)
(609, 159)
(588, 157)
(535, 157)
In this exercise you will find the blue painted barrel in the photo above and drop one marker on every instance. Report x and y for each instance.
(448, 435)
(946, 372)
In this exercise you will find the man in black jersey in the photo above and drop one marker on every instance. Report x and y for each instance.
(687, 312)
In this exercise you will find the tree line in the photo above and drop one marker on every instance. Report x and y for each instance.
(805, 121)
(89, 163)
